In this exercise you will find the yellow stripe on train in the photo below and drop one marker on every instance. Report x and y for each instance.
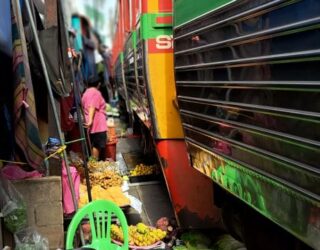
(163, 92)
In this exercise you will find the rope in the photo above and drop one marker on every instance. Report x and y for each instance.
(14, 162)
(59, 151)
(73, 141)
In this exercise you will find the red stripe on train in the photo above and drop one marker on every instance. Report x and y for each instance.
(165, 5)
(164, 20)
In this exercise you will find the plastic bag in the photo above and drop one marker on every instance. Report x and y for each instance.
(30, 239)
(135, 203)
(14, 172)
(6, 248)
(12, 206)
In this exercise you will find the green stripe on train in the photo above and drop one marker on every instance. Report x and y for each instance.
(186, 10)
(152, 29)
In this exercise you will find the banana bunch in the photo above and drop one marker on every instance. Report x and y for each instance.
(139, 235)
(116, 233)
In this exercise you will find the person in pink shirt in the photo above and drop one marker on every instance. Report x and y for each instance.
(94, 107)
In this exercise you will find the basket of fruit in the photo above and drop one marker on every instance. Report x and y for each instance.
(141, 236)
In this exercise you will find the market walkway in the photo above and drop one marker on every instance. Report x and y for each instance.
(152, 194)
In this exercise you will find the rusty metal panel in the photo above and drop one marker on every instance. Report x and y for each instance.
(191, 192)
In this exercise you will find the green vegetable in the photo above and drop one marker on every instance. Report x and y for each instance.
(26, 246)
(195, 238)
(198, 246)
(16, 219)
(181, 247)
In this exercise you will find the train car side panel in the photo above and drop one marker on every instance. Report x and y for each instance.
(247, 78)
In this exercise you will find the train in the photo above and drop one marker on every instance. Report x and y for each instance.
(144, 75)
(229, 92)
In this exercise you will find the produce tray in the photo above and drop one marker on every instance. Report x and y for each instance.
(156, 244)
(143, 178)
(134, 158)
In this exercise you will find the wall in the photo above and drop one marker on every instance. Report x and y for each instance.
(44, 203)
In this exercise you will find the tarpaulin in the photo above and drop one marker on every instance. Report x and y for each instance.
(5, 28)
(25, 119)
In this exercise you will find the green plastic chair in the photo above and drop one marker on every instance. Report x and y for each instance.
(99, 213)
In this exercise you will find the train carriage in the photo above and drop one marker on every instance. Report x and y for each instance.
(149, 81)
(247, 79)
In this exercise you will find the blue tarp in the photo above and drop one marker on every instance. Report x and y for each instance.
(76, 25)
(5, 28)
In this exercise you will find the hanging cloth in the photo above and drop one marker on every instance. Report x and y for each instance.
(55, 50)
(25, 120)
(6, 89)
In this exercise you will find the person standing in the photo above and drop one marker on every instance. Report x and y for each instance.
(94, 107)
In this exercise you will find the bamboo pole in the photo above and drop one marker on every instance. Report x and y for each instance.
(84, 145)
(77, 97)
(51, 98)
